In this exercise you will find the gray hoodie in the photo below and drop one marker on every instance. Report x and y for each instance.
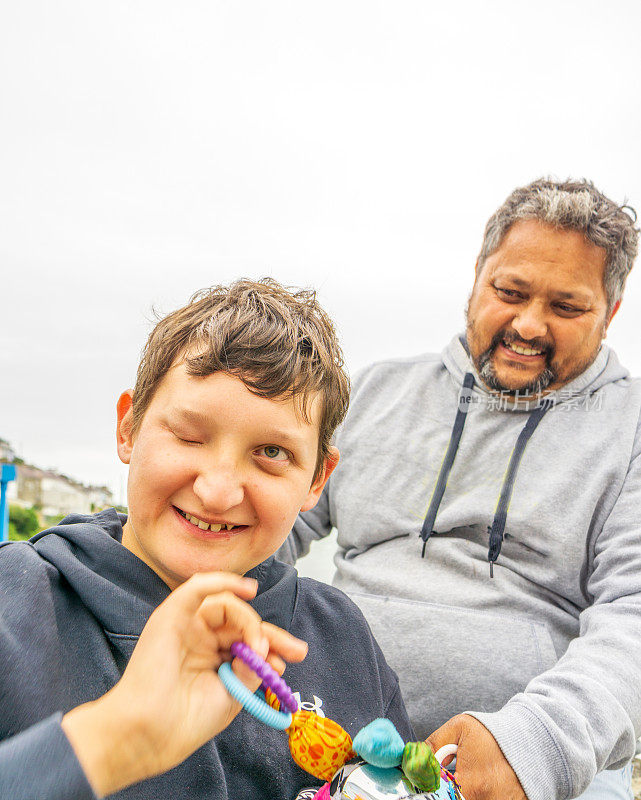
(547, 652)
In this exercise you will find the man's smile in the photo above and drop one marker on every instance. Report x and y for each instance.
(510, 347)
(521, 351)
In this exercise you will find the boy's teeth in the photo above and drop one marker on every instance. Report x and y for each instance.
(204, 526)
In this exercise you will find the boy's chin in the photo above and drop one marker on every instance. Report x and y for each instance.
(177, 573)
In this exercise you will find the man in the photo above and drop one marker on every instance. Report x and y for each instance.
(488, 507)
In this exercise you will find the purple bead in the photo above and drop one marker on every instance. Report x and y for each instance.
(270, 678)
(237, 648)
(251, 659)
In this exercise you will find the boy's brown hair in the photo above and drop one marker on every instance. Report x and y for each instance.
(279, 342)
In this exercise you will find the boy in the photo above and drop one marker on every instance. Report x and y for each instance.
(227, 436)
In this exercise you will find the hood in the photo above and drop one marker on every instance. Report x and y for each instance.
(117, 587)
(605, 369)
(121, 591)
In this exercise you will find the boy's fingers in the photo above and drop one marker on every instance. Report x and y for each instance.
(227, 612)
(283, 643)
(277, 663)
(193, 591)
(246, 675)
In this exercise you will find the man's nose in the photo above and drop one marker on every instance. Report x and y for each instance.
(530, 322)
(219, 488)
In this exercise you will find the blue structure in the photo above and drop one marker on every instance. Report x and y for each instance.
(8, 474)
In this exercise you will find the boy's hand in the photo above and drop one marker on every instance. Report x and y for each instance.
(170, 701)
(481, 768)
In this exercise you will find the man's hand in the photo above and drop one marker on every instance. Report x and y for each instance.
(170, 701)
(481, 768)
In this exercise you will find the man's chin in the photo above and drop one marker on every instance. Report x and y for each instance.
(516, 382)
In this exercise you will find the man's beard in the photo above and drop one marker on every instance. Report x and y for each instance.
(537, 386)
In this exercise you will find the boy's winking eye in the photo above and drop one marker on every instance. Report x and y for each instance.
(279, 447)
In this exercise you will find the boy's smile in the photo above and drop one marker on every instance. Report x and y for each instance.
(217, 474)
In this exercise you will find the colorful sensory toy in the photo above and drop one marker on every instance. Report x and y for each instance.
(377, 764)
(358, 780)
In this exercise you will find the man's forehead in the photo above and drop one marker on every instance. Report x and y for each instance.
(532, 240)
(533, 251)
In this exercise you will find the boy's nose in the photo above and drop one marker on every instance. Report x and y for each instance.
(219, 489)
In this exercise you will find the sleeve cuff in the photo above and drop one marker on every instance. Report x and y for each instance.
(530, 750)
(40, 762)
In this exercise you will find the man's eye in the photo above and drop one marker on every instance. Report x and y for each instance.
(569, 311)
(508, 294)
(273, 452)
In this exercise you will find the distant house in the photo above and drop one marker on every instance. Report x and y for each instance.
(6, 451)
(54, 494)
(100, 497)
(57, 495)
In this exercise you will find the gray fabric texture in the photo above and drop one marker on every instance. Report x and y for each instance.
(547, 653)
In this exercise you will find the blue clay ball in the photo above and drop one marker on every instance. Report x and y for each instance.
(380, 744)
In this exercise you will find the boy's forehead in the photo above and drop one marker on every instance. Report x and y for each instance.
(195, 398)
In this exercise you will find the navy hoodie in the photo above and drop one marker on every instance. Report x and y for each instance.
(73, 602)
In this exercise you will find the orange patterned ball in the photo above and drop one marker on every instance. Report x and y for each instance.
(319, 745)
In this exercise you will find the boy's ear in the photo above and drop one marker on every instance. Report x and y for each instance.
(124, 426)
(329, 465)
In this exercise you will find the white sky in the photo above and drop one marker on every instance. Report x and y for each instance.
(149, 149)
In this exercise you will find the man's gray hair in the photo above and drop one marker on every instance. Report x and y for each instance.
(579, 206)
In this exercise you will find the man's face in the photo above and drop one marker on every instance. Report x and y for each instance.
(537, 313)
(209, 453)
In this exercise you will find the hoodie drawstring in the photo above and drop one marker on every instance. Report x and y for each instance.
(497, 528)
(464, 399)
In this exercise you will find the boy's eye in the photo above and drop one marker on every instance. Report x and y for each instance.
(273, 452)
(185, 438)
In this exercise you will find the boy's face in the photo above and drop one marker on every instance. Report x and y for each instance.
(209, 453)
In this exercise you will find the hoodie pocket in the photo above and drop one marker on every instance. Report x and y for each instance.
(450, 660)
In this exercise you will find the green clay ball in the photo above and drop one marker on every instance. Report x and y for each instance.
(421, 767)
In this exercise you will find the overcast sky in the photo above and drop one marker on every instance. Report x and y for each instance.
(149, 149)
